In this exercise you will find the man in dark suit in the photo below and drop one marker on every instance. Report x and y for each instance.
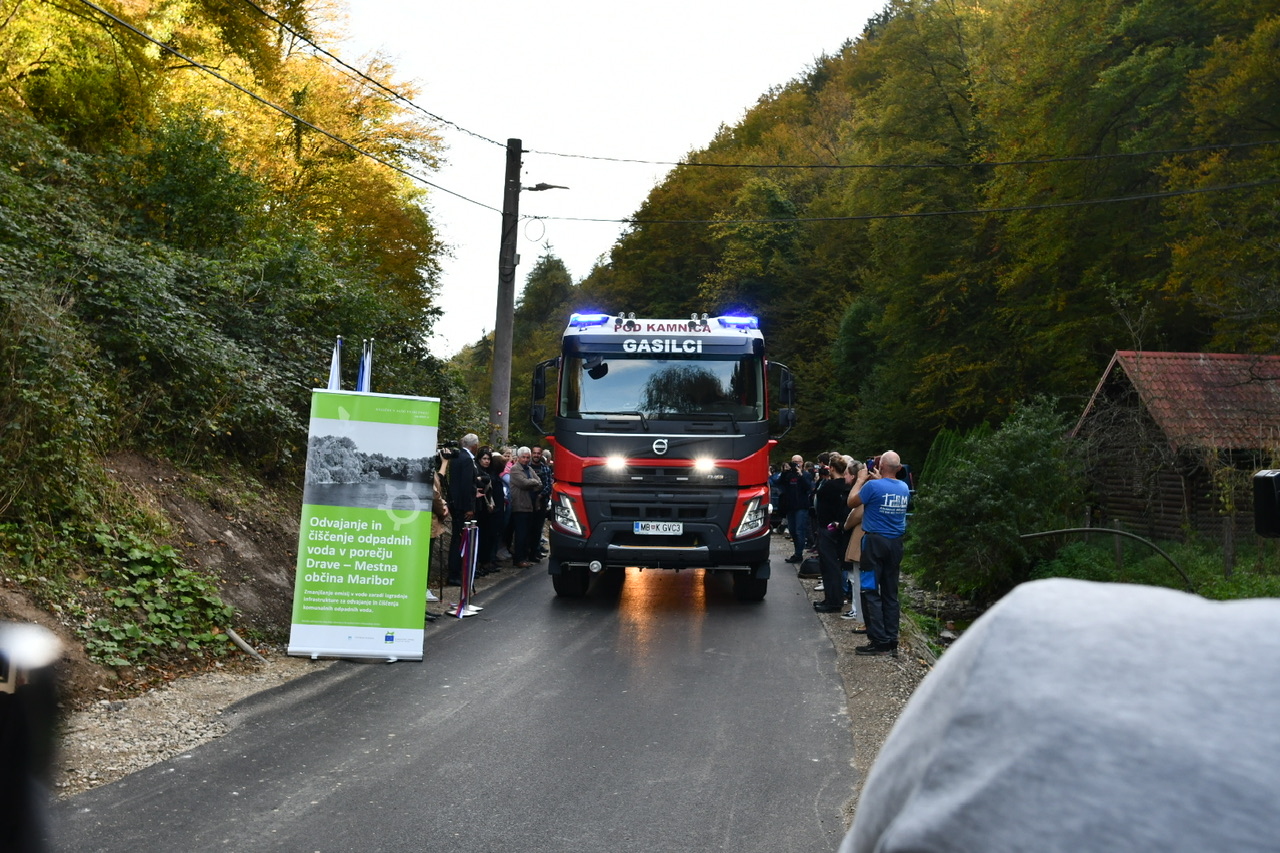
(462, 502)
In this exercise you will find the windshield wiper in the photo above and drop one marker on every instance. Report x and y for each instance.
(644, 422)
(712, 415)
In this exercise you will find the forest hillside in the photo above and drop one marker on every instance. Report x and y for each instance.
(195, 201)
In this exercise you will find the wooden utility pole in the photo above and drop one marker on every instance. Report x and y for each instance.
(500, 395)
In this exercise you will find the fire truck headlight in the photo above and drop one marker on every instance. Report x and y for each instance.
(704, 465)
(615, 463)
(752, 520)
(566, 516)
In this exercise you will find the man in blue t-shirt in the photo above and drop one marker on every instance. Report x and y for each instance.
(884, 498)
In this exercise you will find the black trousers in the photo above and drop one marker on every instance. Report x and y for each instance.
(883, 555)
(831, 547)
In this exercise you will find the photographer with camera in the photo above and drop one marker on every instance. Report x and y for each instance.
(796, 487)
(884, 522)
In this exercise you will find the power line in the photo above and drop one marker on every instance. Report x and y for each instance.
(282, 110)
(378, 84)
(825, 166)
(632, 221)
(1037, 161)
(923, 213)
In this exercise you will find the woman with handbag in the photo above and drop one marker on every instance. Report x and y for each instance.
(853, 553)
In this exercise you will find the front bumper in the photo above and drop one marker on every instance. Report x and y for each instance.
(614, 545)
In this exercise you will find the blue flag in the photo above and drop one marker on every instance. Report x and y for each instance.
(364, 382)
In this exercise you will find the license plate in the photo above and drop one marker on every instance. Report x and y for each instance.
(660, 528)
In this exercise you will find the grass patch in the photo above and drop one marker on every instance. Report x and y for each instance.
(1257, 572)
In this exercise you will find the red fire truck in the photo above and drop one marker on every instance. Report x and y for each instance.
(661, 446)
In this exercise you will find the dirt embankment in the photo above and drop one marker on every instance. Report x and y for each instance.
(244, 537)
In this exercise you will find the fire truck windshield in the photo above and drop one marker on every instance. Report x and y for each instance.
(671, 387)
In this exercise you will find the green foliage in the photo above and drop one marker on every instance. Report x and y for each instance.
(53, 403)
(157, 605)
(1257, 575)
(86, 83)
(186, 188)
(128, 598)
(945, 452)
(968, 515)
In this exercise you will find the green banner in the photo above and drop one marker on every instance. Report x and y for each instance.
(365, 533)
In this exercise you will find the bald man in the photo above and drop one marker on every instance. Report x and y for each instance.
(884, 521)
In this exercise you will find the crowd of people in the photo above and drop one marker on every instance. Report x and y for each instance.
(850, 516)
(507, 492)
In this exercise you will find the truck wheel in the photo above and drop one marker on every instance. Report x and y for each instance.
(572, 581)
(748, 588)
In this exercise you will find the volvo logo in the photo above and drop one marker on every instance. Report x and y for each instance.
(660, 447)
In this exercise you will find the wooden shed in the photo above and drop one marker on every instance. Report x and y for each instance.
(1175, 437)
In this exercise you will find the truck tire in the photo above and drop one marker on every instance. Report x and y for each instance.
(572, 581)
(748, 588)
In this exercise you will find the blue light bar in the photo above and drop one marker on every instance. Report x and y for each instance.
(740, 322)
(578, 321)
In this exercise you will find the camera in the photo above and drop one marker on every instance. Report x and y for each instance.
(871, 464)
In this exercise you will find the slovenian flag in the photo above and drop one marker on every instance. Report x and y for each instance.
(335, 367)
(364, 381)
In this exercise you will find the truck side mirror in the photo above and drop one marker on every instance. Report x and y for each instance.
(540, 381)
(538, 411)
(786, 418)
(786, 385)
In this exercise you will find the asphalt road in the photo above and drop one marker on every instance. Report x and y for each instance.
(669, 718)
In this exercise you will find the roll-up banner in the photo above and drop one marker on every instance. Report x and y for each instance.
(365, 535)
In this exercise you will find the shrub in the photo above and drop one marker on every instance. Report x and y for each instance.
(1258, 574)
(968, 516)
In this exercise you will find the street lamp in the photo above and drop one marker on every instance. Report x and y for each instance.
(504, 323)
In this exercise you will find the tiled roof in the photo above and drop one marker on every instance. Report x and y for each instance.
(1209, 400)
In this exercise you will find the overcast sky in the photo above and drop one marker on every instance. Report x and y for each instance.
(644, 81)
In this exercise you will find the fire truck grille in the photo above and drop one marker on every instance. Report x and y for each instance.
(660, 477)
(658, 512)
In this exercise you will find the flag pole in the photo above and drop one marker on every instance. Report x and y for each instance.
(335, 366)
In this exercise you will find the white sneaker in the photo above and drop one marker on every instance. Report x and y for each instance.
(431, 596)
(503, 554)
(474, 608)
(852, 614)
(820, 588)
